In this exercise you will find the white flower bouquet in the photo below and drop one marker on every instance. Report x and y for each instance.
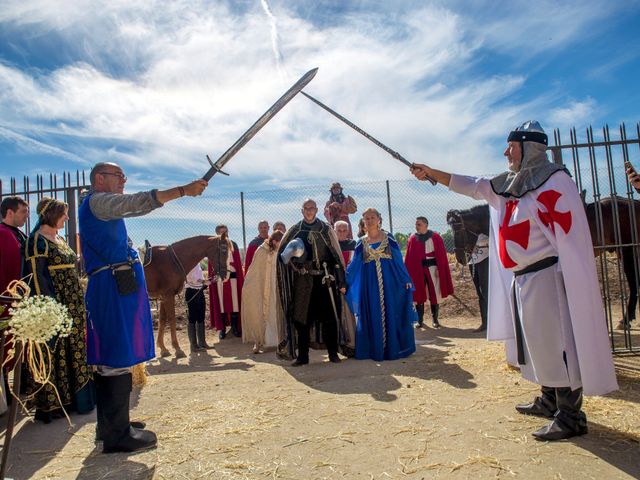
(39, 319)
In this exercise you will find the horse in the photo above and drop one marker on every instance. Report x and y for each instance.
(166, 272)
(466, 225)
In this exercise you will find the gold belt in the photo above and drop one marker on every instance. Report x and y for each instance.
(61, 266)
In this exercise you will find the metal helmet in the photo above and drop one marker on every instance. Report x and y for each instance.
(529, 131)
(294, 250)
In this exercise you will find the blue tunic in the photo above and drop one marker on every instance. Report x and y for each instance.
(119, 327)
(384, 312)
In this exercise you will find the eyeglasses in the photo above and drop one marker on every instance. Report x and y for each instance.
(121, 176)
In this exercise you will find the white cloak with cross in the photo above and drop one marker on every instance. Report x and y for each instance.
(560, 307)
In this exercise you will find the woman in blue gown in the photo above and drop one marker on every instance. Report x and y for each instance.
(380, 295)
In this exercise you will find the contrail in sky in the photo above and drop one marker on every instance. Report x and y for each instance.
(274, 38)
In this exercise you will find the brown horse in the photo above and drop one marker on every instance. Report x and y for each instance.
(167, 271)
(467, 224)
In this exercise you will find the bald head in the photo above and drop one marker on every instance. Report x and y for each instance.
(309, 210)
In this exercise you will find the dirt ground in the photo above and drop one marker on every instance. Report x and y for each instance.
(445, 412)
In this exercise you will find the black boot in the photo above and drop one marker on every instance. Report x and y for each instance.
(420, 310)
(201, 336)
(113, 422)
(569, 421)
(434, 314)
(234, 325)
(193, 342)
(542, 406)
(100, 418)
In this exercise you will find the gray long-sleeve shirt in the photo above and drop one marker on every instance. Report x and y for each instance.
(112, 206)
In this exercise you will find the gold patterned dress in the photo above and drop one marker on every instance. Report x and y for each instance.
(54, 267)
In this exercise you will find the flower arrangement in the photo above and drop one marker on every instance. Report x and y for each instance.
(34, 322)
(39, 319)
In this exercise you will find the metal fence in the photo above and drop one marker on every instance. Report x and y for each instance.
(597, 165)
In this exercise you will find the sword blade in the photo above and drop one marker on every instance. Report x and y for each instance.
(261, 122)
(371, 138)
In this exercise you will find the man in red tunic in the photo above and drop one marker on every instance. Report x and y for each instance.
(225, 293)
(339, 207)
(263, 234)
(428, 265)
(14, 211)
(347, 245)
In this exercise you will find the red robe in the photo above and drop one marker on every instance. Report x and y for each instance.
(10, 269)
(251, 251)
(10, 257)
(220, 320)
(413, 261)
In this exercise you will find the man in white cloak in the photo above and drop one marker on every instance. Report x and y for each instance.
(544, 294)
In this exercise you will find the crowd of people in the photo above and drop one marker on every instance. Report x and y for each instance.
(314, 285)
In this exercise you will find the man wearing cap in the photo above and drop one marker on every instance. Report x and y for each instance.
(552, 308)
(339, 207)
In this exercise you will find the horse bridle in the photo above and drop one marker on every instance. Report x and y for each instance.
(464, 231)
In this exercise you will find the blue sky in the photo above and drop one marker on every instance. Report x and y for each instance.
(157, 85)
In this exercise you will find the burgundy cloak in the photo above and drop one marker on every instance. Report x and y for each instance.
(413, 261)
(218, 319)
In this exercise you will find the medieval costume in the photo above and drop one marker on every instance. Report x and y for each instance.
(347, 247)
(380, 300)
(428, 265)
(479, 269)
(313, 311)
(194, 286)
(552, 307)
(225, 295)
(53, 265)
(251, 251)
(339, 207)
(119, 322)
(260, 305)
(12, 241)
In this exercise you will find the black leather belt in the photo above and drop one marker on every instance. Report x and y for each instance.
(536, 267)
(429, 262)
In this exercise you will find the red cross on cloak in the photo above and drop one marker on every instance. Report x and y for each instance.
(518, 233)
(549, 199)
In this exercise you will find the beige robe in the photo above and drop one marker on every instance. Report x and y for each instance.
(261, 312)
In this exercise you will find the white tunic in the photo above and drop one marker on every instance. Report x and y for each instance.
(429, 250)
(561, 314)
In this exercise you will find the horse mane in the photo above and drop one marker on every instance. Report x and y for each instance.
(186, 240)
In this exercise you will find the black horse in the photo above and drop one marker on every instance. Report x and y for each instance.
(466, 225)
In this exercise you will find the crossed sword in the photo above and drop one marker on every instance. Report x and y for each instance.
(216, 167)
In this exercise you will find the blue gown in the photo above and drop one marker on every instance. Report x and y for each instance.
(384, 313)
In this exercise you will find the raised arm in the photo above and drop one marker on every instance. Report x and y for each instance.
(421, 172)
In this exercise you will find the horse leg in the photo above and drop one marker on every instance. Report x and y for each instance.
(162, 318)
(171, 314)
(629, 272)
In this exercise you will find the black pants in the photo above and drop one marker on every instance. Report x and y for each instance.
(195, 304)
(480, 274)
(329, 334)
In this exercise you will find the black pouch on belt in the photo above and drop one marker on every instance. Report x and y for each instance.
(125, 277)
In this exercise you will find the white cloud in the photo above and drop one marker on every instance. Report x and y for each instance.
(574, 113)
(157, 85)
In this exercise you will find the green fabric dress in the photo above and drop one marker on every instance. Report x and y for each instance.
(55, 274)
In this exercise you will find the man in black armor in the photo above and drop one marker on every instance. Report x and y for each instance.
(310, 276)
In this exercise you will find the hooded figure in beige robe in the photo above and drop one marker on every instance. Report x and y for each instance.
(262, 316)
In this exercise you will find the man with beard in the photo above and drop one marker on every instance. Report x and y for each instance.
(310, 276)
(428, 265)
(339, 207)
(14, 211)
(552, 308)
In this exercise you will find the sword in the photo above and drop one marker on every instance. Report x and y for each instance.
(261, 122)
(390, 151)
(326, 280)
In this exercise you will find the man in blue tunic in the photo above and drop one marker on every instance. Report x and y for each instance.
(119, 324)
